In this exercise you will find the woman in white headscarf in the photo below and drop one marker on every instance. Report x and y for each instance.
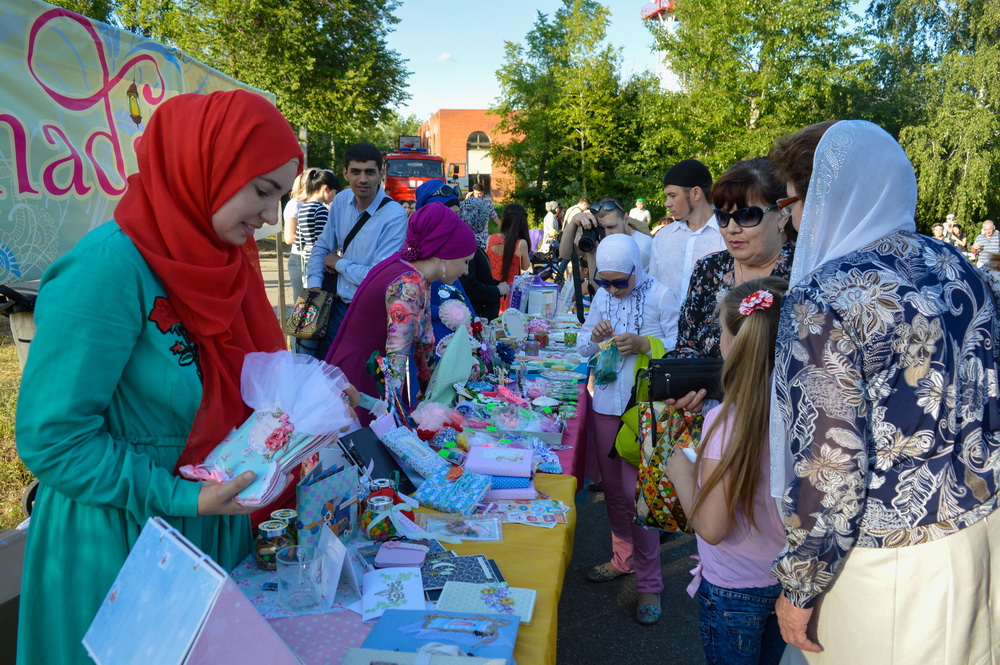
(886, 416)
(630, 307)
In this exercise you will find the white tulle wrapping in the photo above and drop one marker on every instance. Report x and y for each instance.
(310, 391)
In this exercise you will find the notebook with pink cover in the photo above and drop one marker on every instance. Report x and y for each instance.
(500, 461)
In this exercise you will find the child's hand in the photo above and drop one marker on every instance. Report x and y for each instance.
(679, 466)
(632, 343)
(601, 332)
(691, 402)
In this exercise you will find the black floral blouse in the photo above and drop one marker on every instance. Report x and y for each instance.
(698, 330)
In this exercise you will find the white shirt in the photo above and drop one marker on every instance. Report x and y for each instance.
(381, 236)
(676, 248)
(645, 243)
(550, 231)
(659, 319)
(639, 215)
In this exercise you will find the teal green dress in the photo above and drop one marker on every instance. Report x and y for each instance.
(107, 399)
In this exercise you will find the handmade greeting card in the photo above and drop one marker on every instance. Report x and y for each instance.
(336, 566)
(472, 568)
(489, 598)
(172, 604)
(389, 589)
(481, 635)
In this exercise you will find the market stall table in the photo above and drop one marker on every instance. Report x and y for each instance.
(529, 557)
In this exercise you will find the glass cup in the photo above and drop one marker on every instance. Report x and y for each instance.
(299, 577)
(569, 338)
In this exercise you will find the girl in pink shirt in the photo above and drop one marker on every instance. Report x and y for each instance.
(726, 492)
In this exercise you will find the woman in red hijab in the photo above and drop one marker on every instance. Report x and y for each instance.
(390, 314)
(135, 369)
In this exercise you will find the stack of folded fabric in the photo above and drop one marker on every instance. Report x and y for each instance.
(510, 471)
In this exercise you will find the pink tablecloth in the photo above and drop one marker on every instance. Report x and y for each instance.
(322, 638)
(574, 459)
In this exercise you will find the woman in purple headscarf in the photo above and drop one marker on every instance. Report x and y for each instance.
(390, 314)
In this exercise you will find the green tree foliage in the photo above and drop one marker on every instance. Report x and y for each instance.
(327, 62)
(751, 70)
(954, 146)
(559, 102)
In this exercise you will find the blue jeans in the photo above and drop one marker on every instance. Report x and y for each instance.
(739, 626)
(322, 345)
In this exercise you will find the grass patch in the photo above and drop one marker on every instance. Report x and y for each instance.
(14, 476)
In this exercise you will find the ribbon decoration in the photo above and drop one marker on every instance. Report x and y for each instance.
(692, 588)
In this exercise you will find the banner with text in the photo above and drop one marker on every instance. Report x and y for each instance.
(76, 97)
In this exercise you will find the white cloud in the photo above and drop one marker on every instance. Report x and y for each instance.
(446, 57)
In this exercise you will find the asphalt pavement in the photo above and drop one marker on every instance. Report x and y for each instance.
(597, 623)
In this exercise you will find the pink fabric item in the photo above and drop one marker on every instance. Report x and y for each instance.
(743, 559)
(528, 493)
(635, 549)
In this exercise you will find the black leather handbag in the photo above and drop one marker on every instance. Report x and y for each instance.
(673, 378)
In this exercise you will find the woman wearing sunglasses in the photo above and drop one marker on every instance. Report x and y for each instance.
(630, 308)
(750, 208)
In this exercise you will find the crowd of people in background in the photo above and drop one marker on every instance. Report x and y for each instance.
(844, 492)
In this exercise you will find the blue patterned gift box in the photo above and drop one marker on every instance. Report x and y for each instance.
(453, 496)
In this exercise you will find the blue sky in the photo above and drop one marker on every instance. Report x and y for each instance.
(454, 51)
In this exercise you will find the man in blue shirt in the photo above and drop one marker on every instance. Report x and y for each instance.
(365, 227)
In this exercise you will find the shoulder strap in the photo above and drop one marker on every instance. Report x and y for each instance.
(361, 222)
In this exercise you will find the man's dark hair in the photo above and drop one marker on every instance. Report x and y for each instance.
(363, 152)
(478, 188)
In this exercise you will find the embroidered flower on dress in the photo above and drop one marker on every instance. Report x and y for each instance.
(163, 314)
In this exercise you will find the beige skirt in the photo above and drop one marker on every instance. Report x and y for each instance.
(937, 603)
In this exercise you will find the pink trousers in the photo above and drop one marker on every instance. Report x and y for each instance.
(635, 549)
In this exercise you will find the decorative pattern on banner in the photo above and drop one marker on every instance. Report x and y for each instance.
(77, 97)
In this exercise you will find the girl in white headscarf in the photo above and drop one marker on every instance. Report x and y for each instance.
(630, 307)
(888, 414)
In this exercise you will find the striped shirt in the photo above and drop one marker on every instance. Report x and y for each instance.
(311, 221)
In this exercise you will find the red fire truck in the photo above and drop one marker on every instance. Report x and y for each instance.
(411, 166)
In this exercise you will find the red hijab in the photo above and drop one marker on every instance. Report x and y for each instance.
(196, 153)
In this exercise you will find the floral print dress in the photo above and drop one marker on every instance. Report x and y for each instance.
(409, 332)
(886, 380)
(698, 331)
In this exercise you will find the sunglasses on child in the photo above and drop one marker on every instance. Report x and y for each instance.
(750, 216)
(617, 283)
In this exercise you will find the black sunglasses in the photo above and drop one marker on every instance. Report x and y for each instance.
(448, 192)
(746, 217)
(606, 206)
(617, 283)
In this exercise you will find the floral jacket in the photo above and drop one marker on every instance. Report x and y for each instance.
(698, 331)
(886, 379)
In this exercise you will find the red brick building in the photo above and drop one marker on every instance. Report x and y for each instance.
(465, 136)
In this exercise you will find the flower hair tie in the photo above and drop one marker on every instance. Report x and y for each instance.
(756, 300)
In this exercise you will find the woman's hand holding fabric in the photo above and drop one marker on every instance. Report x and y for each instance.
(220, 498)
(793, 622)
(632, 343)
(353, 396)
(503, 288)
(601, 331)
